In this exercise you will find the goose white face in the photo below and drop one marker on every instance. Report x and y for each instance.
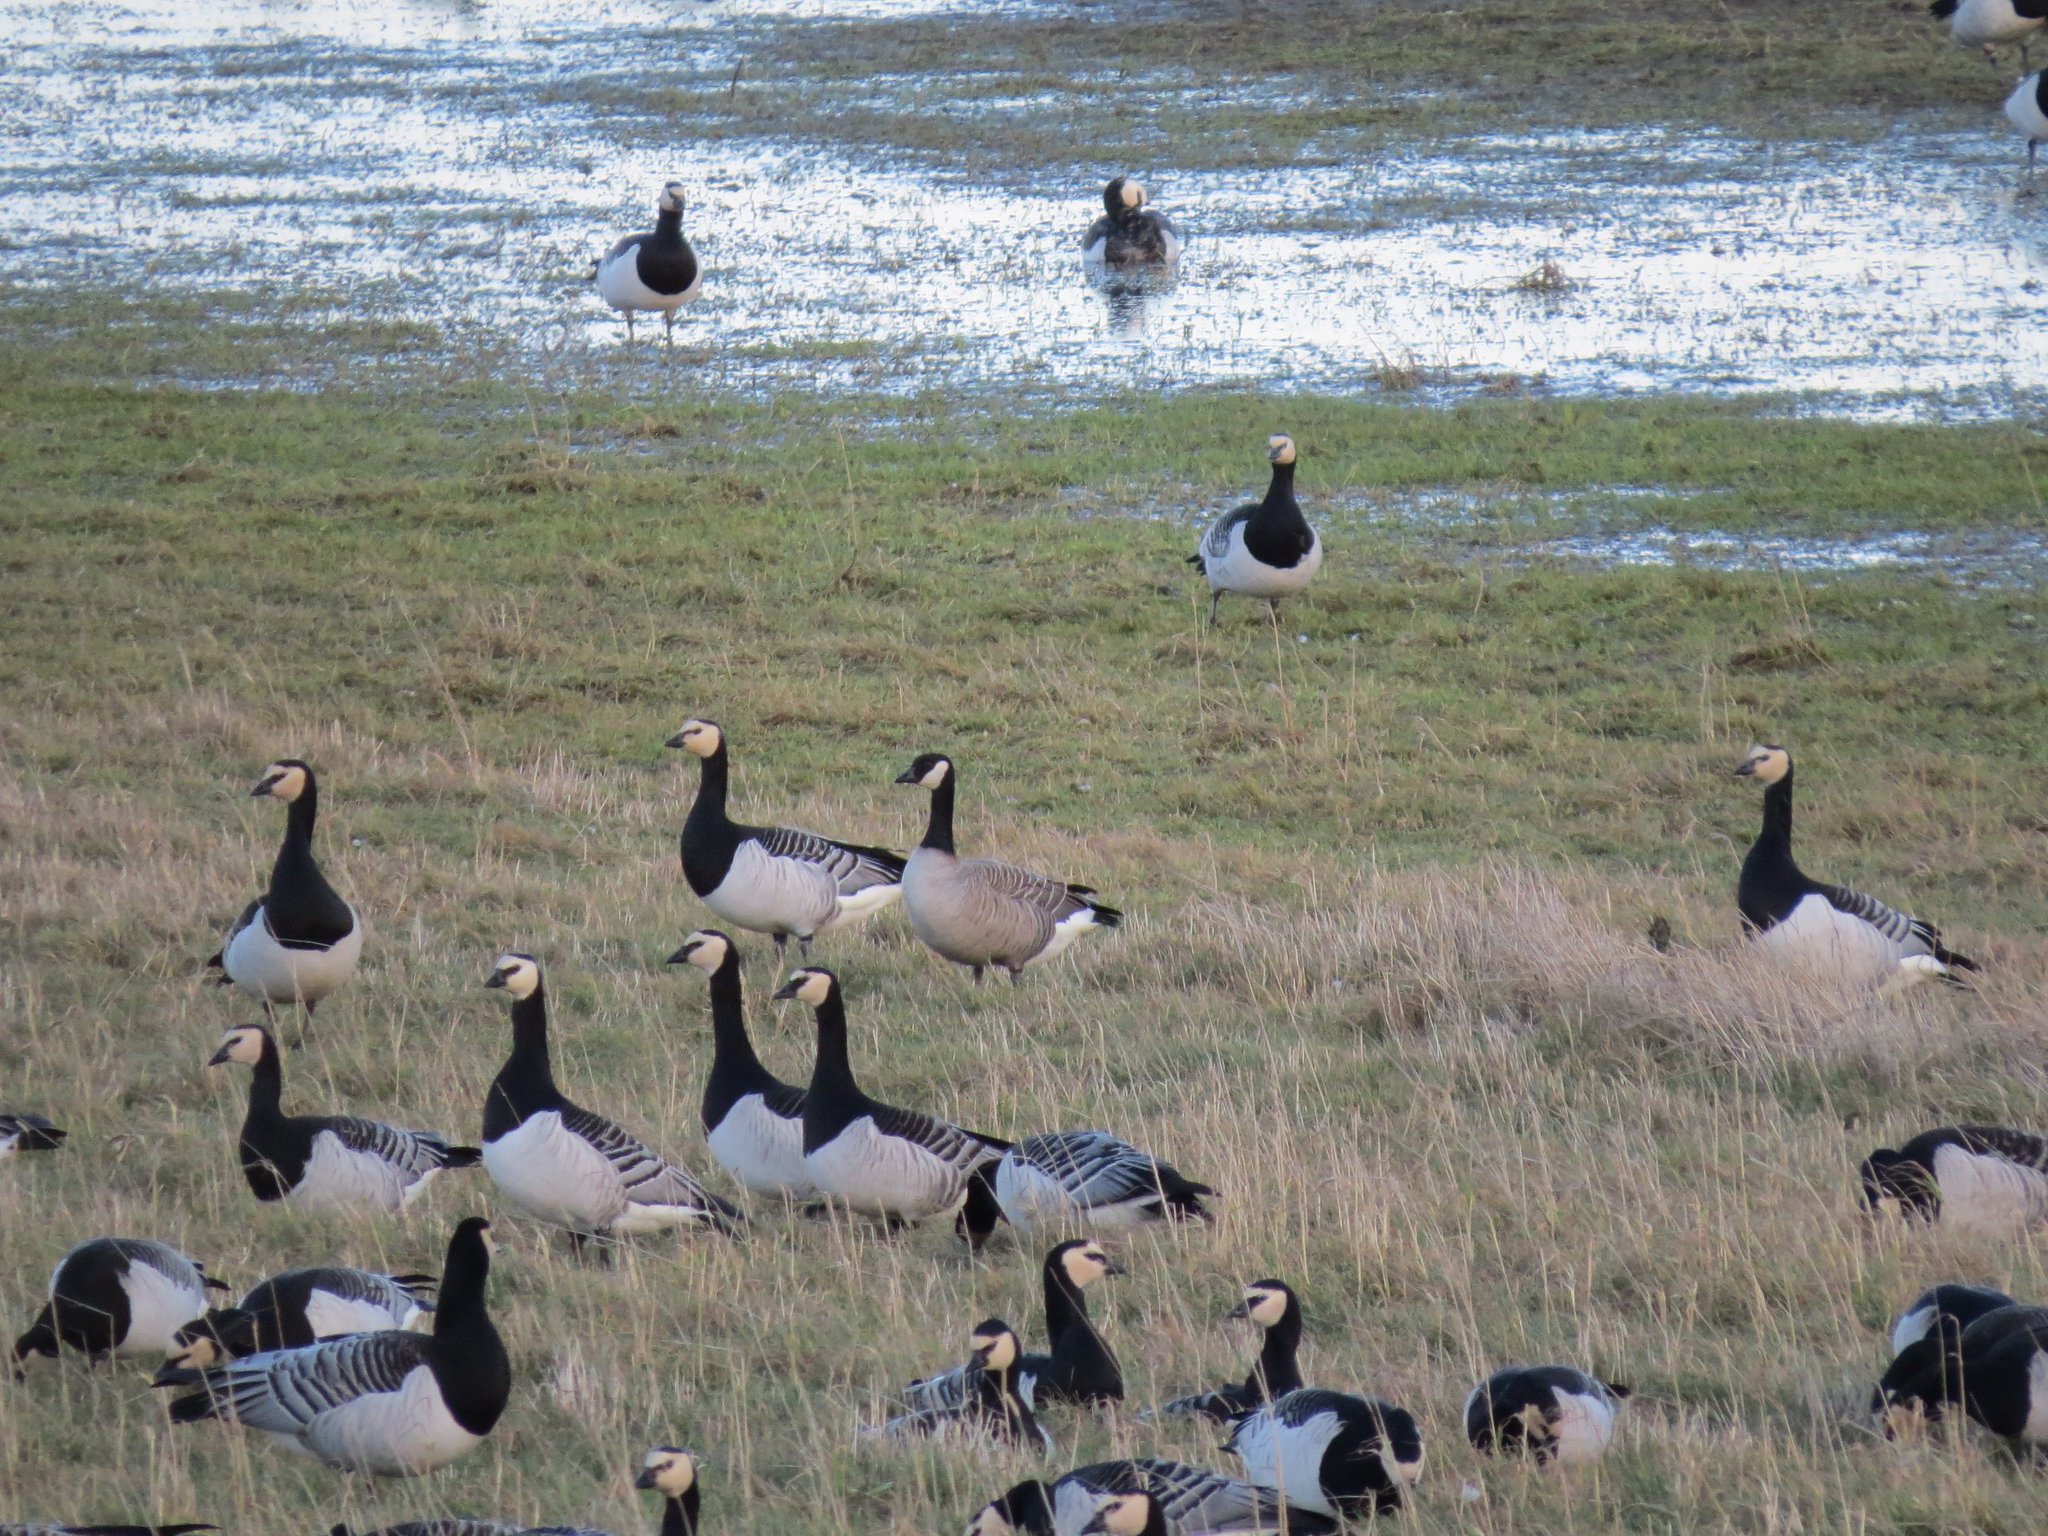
(995, 1349)
(282, 781)
(671, 199)
(700, 738)
(1264, 1305)
(812, 987)
(990, 1522)
(1133, 195)
(490, 1243)
(1765, 764)
(936, 775)
(1280, 448)
(517, 974)
(706, 951)
(1409, 1472)
(1087, 1263)
(668, 1470)
(1124, 1515)
(193, 1355)
(244, 1045)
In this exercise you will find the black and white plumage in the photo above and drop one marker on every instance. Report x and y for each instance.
(21, 1131)
(672, 1473)
(1091, 1179)
(387, 1404)
(1273, 1305)
(1129, 234)
(327, 1163)
(120, 1296)
(1995, 1370)
(655, 272)
(1980, 1178)
(978, 912)
(898, 1165)
(1078, 1365)
(1829, 931)
(1989, 24)
(456, 1525)
(1548, 1412)
(753, 1121)
(1263, 548)
(1330, 1452)
(565, 1165)
(1192, 1502)
(294, 1309)
(298, 941)
(991, 1404)
(184, 1528)
(781, 881)
(2027, 110)
(1961, 1305)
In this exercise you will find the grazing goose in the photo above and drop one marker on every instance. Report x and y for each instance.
(327, 1163)
(1981, 1178)
(992, 1406)
(1129, 234)
(1273, 1305)
(780, 881)
(657, 271)
(672, 1473)
(1551, 1412)
(565, 1165)
(120, 1296)
(1962, 1304)
(1996, 1370)
(2027, 110)
(753, 1121)
(1078, 1366)
(1988, 24)
(895, 1164)
(181, 1529)
(299, 940)
(387, 1404)
(1827, 929)
(294, 1309)
(23, 1132)
(1263, 548)
(977, 912)
(1192, 1500)
(1330, 1452)
(1092, 1179)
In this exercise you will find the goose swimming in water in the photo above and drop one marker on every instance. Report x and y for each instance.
(1129, 234)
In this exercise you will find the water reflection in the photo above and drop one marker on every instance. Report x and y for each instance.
(1130, 296)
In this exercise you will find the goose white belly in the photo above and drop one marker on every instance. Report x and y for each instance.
(261, 966)
(1030, 1198)
(1582, 1426)
(2023, 110)
(2035, 1430)
(339, 1178)
(158, 1306)
(880, 1175)
(765, 893)
(553, 1174)
(1832, 944)
(618, 283)
(761, 1149)
(387, 1434)
(1242, 572)
(1983, 1193)
(333, 1317)
(1978, 22)
(1289, 1459)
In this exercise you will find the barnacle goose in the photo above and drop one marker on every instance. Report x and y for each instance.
(655, 271)
(1963, 1304)
(565, 1165)
(299, 940)
(1273, 1305)
(1827, 929)
(1263, 548)
(1988, 23)
(1981, 1178)
(977, 912)
(294, 1309)
(327, 1162)
(1192, 1502)
(1129, 234)
(1330, 1452)
(991, 1406)
(1078, 1366)
(1551, 1412)
(181, 1529)
(123, 1296)
(387, 1404)
(1995, 1370)
(1091, 1178)
(780, 881)
(21, 1131)
(895, 1164)
(672, 1473)
(2027, 110)
(753, 1121)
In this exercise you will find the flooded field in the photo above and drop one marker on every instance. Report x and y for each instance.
(455, 168)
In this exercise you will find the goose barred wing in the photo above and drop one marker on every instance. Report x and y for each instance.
(1889, 921)
(649, 1178)
(947, 1142)
(1050, 901)
(1222, 1404)
(219, 959)
(285, 1391)
(1216, 542)
(2022, 1147)
(1093, 1167)
(943, 1393)
(1195, 1500)
(852, 866)
(416, 1152)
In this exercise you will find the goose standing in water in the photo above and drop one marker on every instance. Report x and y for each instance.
(655, 272)
(1263, 548)
(1129, 234)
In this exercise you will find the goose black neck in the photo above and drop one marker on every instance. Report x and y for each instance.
(296, 852)
(711, 782)
(833, 1072)
(525, 1085)
(680, 1516)
(266, 1085)
(1276, 1371)
(1064, 1303)
(1777, 830)
(1280, 494)
(938, 831)
(729, 1041)
(668, 221)
(473, 1373)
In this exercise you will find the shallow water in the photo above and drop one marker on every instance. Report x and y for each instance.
(452, 166)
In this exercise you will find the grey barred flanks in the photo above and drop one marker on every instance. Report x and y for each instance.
(2022, 1147)
(956, 1148)
(1096, 1168)
(285, 1391)
(416, 1152)
(853, 867)
(1889, 921)
(1196, 1499)
(1216, 542)
(649, 1178)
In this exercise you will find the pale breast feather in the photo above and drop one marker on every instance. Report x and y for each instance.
(883, 1175)
(763, 1150)
(552, 1173)
(341, 1175)
(768, 892)
(397, 1433)
(159, 1304)
(1984, 1191)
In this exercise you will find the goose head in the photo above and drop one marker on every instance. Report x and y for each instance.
(669, 1470)
(1127, 1514)
(1280, 449)
(518, 975)
(811, 985)
(1084, 1262)
(671, 199)
(1025, 1506)
(243, 1044)
(994, 1345)
(1122, 197)
(1895, 1185)
(286, 780)
(1766, 762)
(706, 949)
(1265, 1303)
(699, 738)
(931, 770)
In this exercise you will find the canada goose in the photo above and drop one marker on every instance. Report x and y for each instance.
(1981, 1178)
(1193, 1502)
(1987, 24)
(1330, 1452)
(327, 1162)
(753, 1121)
(1551, 1412)
(895, 1164)
(24, 1132)
(1963, 1304)
(780, 881)
(299, 940)
(1078, 1366)
(657, 271)
(1827, 929)
(1093, 1179)
(120, 1296)
(977, 912)
(992, 1406)
(387, 1404)
(292, 1310)
(1273, 1305)
(2027, 110)
(672, 1473)
(1263, 548)
(1996, 1370)
(565, 1165)
(1129, 234)
(182, 1529)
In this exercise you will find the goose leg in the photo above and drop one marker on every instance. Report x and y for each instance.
(1214, 598)
(977, 974)
(668, 333)
(803, 943)
(629, 327)
(1016, 975)
(781, 949)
